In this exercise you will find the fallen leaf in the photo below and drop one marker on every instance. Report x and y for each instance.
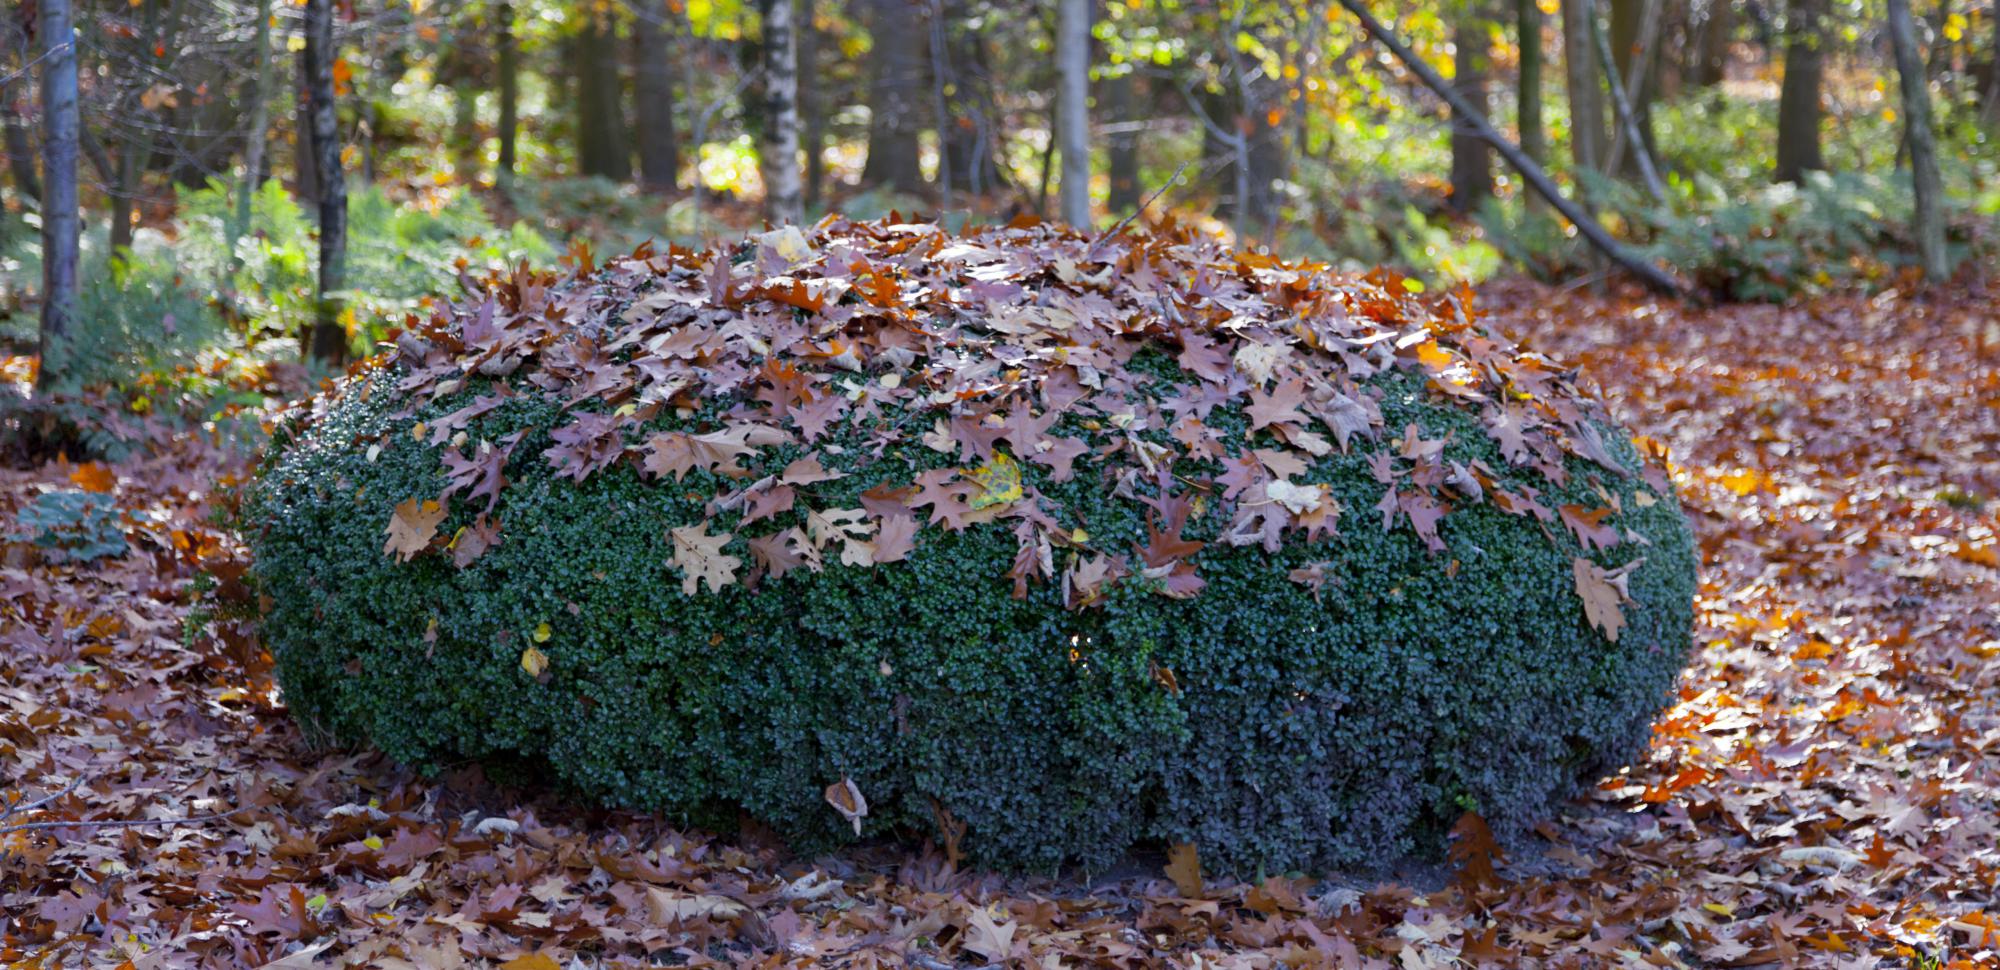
(1184, 868)
(700, 558)
(413, 526)
(845, 797)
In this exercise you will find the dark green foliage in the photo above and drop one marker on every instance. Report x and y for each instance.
(1306, 731)
(72, 524)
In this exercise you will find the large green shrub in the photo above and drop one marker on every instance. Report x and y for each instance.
(721, 531)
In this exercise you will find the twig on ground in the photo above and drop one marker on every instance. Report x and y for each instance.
(121, 823)
(11, 810)
(1120, 225)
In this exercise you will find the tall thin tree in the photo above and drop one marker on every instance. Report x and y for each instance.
(1073, 110)
(812, 108)
(1922, 138)
(61, 126)
(600, 118)
(653, 83)
(508, 67)
(1528, 80)
(1122, 142)
(326, 342)
(260, 119)
(778, 156)
(1471, 156)
(1588, 138)
(1798, 96)
(895, 95)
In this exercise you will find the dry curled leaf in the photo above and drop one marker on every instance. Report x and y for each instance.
(845, 797)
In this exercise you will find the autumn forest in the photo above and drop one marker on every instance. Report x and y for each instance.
(559, 485)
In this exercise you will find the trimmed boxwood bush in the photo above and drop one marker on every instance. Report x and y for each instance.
(1074, 543)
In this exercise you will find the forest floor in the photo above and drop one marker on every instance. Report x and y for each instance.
(1826, 791)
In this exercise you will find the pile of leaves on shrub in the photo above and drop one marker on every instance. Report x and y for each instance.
(1037, 544)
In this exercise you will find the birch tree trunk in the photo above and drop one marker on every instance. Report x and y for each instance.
(326, 343)
(1922, 138)
(778, 156)
(1073, 109)
(60, 219)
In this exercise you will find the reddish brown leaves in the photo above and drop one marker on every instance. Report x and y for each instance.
(1820, 793)
(586, 445)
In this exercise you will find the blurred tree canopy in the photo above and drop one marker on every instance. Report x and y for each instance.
(1754, 150)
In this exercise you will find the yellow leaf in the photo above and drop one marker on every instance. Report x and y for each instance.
(999, 481)
(534, 661)
(1720, 909)
(532, 961)
(542, 632)
(373, 842)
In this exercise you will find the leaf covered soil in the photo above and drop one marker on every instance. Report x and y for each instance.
(1822, 794)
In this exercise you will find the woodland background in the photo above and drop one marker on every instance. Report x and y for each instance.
(231, 198)
(1759, 149)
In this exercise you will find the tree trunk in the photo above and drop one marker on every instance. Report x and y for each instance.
(600, 124)
(653, 83)
(1712, 43)
(971, 128)
(1528, 90)
(1929, 218)
(778, 155)
(1629, 133)
(508, 67)
(1588, 138)
(895, 96)
(1989, 110)
(1267, 152)
(1635, 51)
(305, 160)
(61, 222)
(20, 149)
(1073, 113)
(260, 121)
(13, 114)
(1798, 98)
(327, 341)
(811, 110)
(1537, 179)
(1121, 102)
(1471, 156)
